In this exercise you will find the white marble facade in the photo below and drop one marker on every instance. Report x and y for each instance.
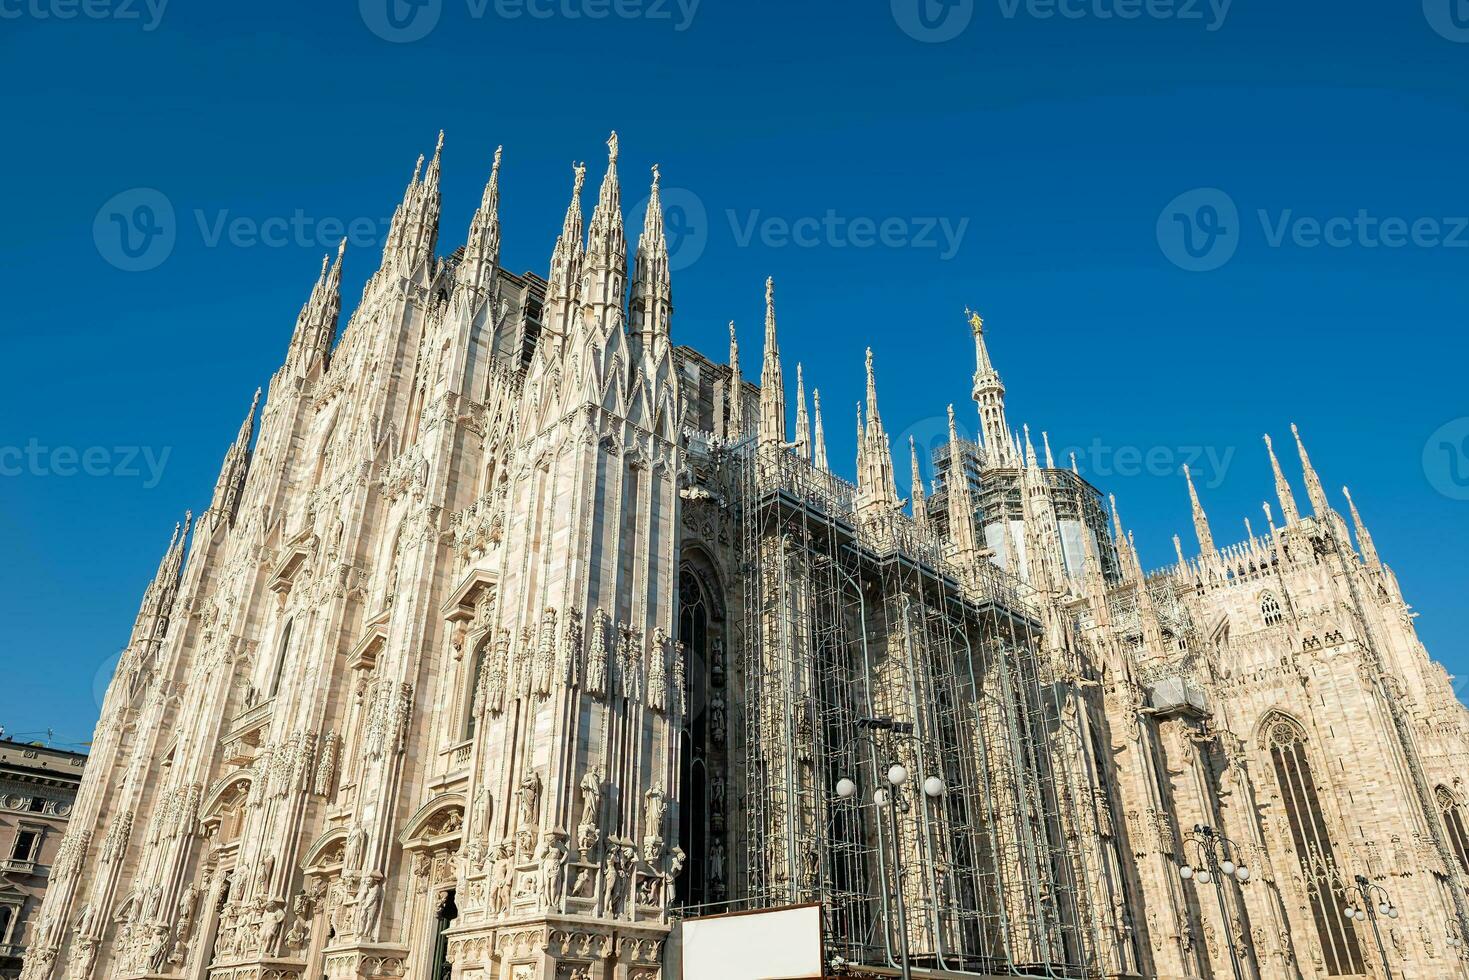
(408, 694)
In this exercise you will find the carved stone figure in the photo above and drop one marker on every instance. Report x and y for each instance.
(553, 876)
(369, 901)
(596, 683)
(528, 798)
(270, 925)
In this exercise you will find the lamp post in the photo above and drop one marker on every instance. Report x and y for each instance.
(1359, 897)
(890, 797)
(1216, 861)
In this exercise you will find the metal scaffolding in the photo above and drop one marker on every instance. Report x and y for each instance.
(850, 616)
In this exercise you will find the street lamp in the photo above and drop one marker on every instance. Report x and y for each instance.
(891, 799)
(1217, 860)
(1367, 900)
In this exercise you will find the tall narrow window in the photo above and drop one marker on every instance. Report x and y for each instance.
(279, 666)
(1453, 818)
(1286, 741)
(443, 968)
(1270, 610)
(25, 845)
(7, 921)
(473, 682)
(696, 816)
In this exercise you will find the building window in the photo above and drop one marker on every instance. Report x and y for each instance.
(699, 819)
(9, 915)
(1453, 818)
(280, 660)
(474, 683)
(1286, 742)
(1270, 610)
(443, 967)
(37, 804)
(26, 843)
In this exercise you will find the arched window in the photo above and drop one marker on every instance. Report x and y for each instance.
(444, 916)
(278, 668)
(1270, 610)
(473, 679)
(1453, 819)
(1286, 742)
(697, 819)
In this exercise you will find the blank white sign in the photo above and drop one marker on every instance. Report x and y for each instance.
(780, 944)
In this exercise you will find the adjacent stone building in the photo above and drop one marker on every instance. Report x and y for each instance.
(513, 632)
(38, 786)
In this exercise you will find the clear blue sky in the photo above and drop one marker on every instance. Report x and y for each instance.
(1056, 144)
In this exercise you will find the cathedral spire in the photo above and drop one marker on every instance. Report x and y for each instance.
(802, 443)
(414, 231)
(1201, 520)
(1126, 557)
(1364, 538)
(564, 279)
(230, 485)
(482, 249)
(1282, 488)
(772, 390)
(652, 303)
(1046, 442)
(605, 269)
(736, 387)
(960, 505)
(1320, 506)
(918, 497)
(818, 438)
(316, 325)
(989, 395)
(875, 483)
